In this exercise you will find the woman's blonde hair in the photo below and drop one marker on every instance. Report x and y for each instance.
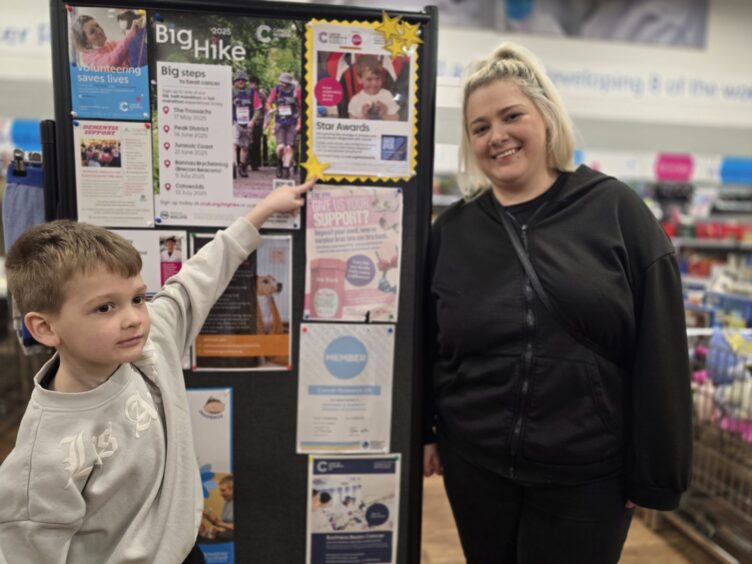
(516, 64)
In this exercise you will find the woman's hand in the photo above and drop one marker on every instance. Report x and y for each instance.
(431, 461)
(630, 504)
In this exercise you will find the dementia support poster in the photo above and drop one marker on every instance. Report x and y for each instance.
(353, 509)
(113, 173)
(353, 242)
(211, 422)
(162, 254)
(107, 50)
(345, 388)
(249, 326)
(361, 106)
(216, 145)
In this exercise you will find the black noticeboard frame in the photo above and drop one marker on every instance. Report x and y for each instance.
(271, 487)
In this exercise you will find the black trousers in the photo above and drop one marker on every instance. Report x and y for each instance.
(501, 521)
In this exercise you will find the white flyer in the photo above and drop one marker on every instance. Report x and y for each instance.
(345, 388)
(353, 509)
(162, 254)
(353, 253)
(114, 173)
(195, 144)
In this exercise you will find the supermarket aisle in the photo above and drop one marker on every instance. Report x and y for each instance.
(440, 544)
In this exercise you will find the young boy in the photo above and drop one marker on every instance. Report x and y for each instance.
(373, 101)
(104, 468)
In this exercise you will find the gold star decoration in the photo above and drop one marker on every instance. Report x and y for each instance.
(314, 167)
(396, 48)
(389, 27)
(410, 34)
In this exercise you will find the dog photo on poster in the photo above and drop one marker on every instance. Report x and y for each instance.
(249, 326)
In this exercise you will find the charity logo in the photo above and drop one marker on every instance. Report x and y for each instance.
(345, 357)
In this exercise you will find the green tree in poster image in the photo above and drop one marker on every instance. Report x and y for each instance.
(272, 45)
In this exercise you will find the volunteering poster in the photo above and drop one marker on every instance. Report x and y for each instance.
(353, 243)
(109, 75)
(345, 388)
(353, 509)
(162, 254)
(249, 326)
(361, 103)
(215, 142)
(211, 421)
(113, 173)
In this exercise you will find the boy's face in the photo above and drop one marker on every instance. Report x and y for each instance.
(103, 321)
(225, 490)
(371, 82)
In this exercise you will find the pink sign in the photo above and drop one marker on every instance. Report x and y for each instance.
(674, 167)
(328, 92)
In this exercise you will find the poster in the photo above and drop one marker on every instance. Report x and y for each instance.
(353, 509)
(362, 103)
(113, 173)
(249, 326)
(109, 73)
(162, 254)
(222, 85)
(353, 244)
(211, 422)
(345, 388)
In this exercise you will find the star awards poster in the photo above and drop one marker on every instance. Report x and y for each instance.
(211, 422)
(362, 99)
(109, 73)
(345, 388)
(113, 173)
(353, 509)
(220, 142)
(353, 242)
(249, 326)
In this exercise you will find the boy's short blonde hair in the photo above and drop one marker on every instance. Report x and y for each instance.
(45, 257)
(368, 63)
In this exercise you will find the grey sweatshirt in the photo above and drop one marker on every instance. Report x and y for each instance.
(110, 475)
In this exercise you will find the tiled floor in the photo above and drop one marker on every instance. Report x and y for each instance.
(441, 545)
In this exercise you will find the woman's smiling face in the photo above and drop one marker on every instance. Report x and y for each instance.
(508, 138)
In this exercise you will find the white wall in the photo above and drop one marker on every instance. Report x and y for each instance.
(670, 98)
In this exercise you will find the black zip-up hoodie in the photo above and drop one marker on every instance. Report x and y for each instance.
(514, 392)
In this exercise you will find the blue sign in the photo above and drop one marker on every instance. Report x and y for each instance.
(345, 357)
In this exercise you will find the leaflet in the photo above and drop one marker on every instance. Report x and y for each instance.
(211, 421)
(345, 388)
(353, 509)
(361, 109)
(114, 173)
(162, 254)
(249, 326)
(109, 73)
(353, 243)
(213, 76)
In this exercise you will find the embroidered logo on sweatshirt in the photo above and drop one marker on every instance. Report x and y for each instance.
(75, 464)
(140, 412)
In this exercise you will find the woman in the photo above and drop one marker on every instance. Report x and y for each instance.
(96, 51)
(559, 394)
